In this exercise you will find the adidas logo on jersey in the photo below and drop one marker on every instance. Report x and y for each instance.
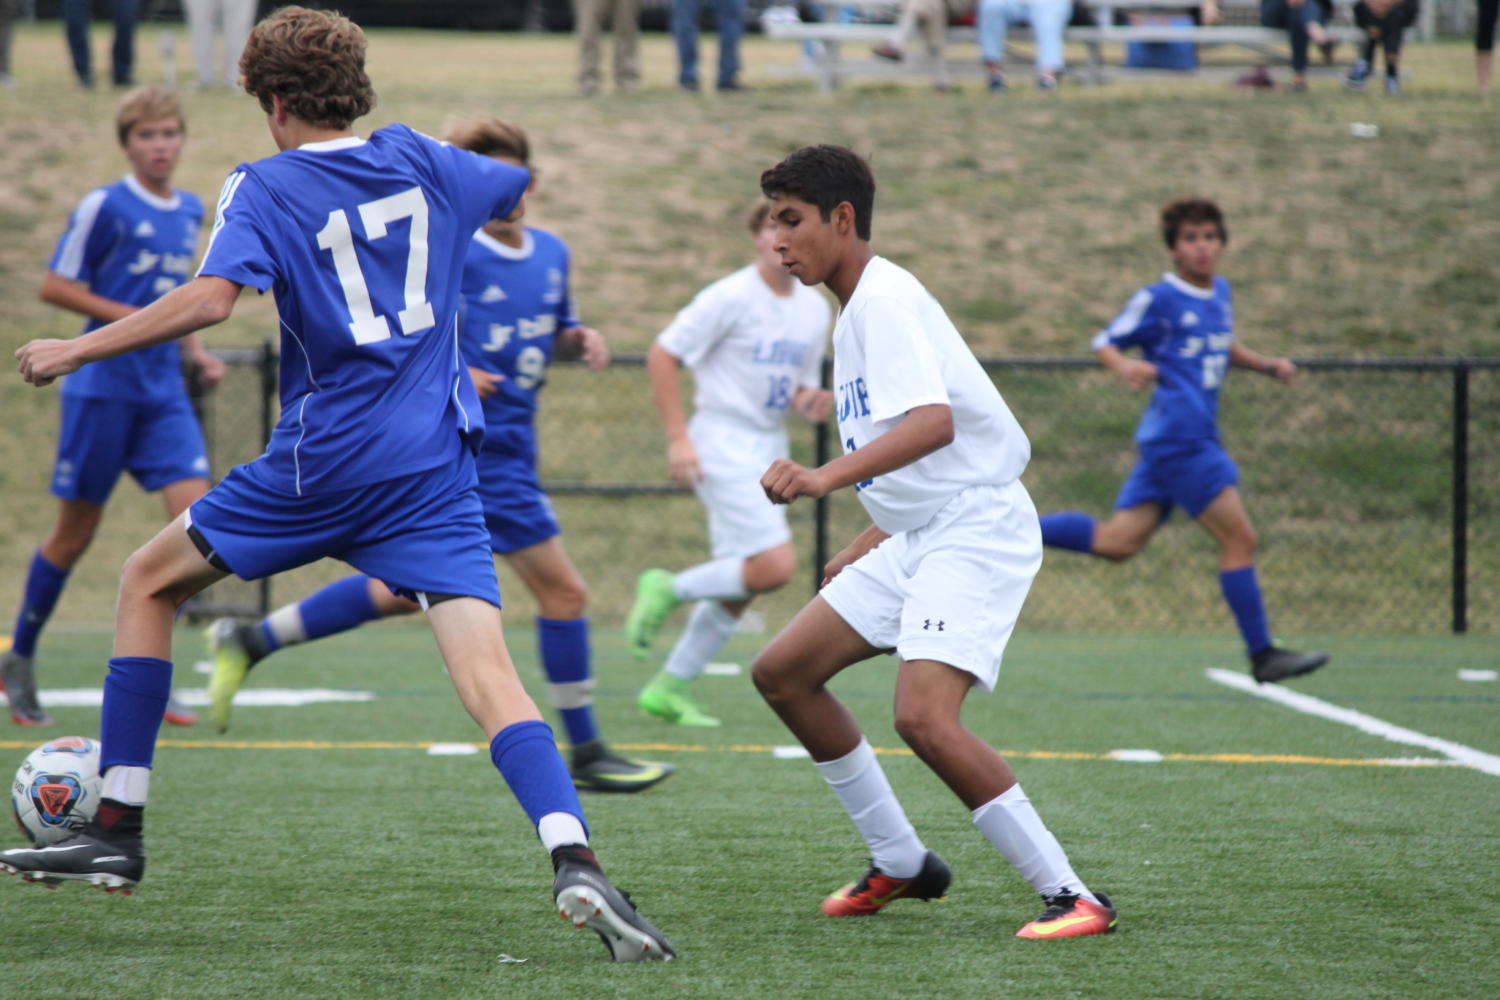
(145, 228)
(492, 293)
(1189, 318)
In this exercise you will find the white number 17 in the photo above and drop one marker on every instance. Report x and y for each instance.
(377, 216)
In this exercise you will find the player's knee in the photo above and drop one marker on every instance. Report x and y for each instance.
(770, 570)
(564, 601)
(771, 675)
(920, 727)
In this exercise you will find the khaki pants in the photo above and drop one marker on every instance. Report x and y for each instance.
(235, 18)
(588, 16)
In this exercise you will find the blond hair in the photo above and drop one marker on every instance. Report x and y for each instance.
(146, 104)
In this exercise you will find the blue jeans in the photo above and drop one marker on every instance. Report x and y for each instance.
(730, 18)
(1280, 14)
(122, 55)
(1048, 19)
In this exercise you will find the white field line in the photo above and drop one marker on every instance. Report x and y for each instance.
(1468, 756)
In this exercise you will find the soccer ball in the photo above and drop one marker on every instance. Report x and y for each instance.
(57, 789)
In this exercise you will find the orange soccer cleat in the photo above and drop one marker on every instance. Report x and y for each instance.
(1068, 915)
(876, 889)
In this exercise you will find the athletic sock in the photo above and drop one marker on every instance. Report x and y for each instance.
(338, 607)
(120, 819)
(564, 645)
(135, 698)
(857, 779)
(127, 784)
(44, 584)
(563, 831)
(1242, 593)
(719, 580)
(708, 628)
(1069, 529)
(526, 756)
(1010, 822)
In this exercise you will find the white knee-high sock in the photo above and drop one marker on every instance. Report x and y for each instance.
(862, 788)
(719, 580)
(1010, 822)
(708, 628)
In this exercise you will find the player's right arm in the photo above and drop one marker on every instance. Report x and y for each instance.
(201, 302)
(664, 370)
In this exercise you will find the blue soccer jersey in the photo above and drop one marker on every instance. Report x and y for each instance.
(363, 242)
(1186, 331)
(131, 246)
(515, 302)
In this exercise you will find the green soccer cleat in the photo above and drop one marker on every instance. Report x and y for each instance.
(231, 664)
(666, 698)
(655, 597)
(598, 768)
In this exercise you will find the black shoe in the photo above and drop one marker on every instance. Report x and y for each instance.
(586, 898)
(18, 681)
(877, 889)
(114, 864)
(1273, 664)
(596, 767)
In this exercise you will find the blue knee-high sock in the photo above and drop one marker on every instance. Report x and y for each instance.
(135, 699)
(338, 607)
(44, 584)
(1242, 593)
(526, 756)
(1068, 530)
(565, 660)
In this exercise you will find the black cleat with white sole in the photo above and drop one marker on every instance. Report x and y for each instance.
(1274, 664)
(111, 864)
(587, 899)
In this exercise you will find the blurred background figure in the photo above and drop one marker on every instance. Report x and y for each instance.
(76, 16)
(7, 18)
(1384, 23)
(624, 22)
(1048, 19)
(729, 19)
(1484, 45)
(934, 17)
(232, 17)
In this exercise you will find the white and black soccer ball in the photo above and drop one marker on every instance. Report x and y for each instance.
(57, 789)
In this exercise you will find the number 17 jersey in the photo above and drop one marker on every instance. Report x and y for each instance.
(363, 243)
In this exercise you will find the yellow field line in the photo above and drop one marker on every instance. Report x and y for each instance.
(1210, 758)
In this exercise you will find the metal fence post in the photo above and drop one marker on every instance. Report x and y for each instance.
(1460, 497)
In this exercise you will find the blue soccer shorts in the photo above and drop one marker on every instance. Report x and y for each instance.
(419, 534)
(1186, 474)
(157, 443)
(517, 513)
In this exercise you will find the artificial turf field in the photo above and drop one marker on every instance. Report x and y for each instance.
(322, 851)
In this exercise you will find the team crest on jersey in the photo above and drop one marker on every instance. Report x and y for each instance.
(145, 228)
(492, 293)
(554, 292)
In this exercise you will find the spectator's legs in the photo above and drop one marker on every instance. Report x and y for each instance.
(239, 18)
(1049, 18)
(76, 17)
(626, 25)
(586, 17)
(993, 20)
(906, 23)
(123, 54)
(685, 32)
(1484, 45)
(7, 18)
(935, 26)
(730, 15)
(200, 23)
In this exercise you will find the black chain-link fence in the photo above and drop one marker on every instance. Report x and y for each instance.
(1374, 486)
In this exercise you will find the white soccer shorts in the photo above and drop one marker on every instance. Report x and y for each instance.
(741, 521)
(951, 590)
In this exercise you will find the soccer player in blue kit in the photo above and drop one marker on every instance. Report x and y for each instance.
(517, 315)
(1183, 325)
(362, 241)
(127, 243)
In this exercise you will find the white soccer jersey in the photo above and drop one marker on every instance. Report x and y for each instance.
(894, 349)
(750, 349)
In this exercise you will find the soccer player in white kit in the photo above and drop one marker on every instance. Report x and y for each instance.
(940, 577)
(754, 341)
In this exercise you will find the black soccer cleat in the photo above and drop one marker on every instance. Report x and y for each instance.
(598, 768)
(587, 899)
(114, 864)
(1273, 664)
(876, 890)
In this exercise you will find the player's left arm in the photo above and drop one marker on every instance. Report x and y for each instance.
(201, 302)
(815, 405)
(1281, 369)
(922, 431)
(583, 343)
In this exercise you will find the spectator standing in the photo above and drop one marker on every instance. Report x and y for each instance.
(234, 19)
(588, 20)
(729, 17)
(1048, 20)
(76, 16)
(1484, 45)
(7, 18)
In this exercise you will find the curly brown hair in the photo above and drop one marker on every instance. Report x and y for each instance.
(147, 104)
(1176, 214)
(488, 135)
(314, 61)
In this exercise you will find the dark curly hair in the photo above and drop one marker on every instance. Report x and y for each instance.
(1176, 214)
(314, 61)
(826, 176)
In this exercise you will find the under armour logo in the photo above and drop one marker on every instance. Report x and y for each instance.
(928, 624)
